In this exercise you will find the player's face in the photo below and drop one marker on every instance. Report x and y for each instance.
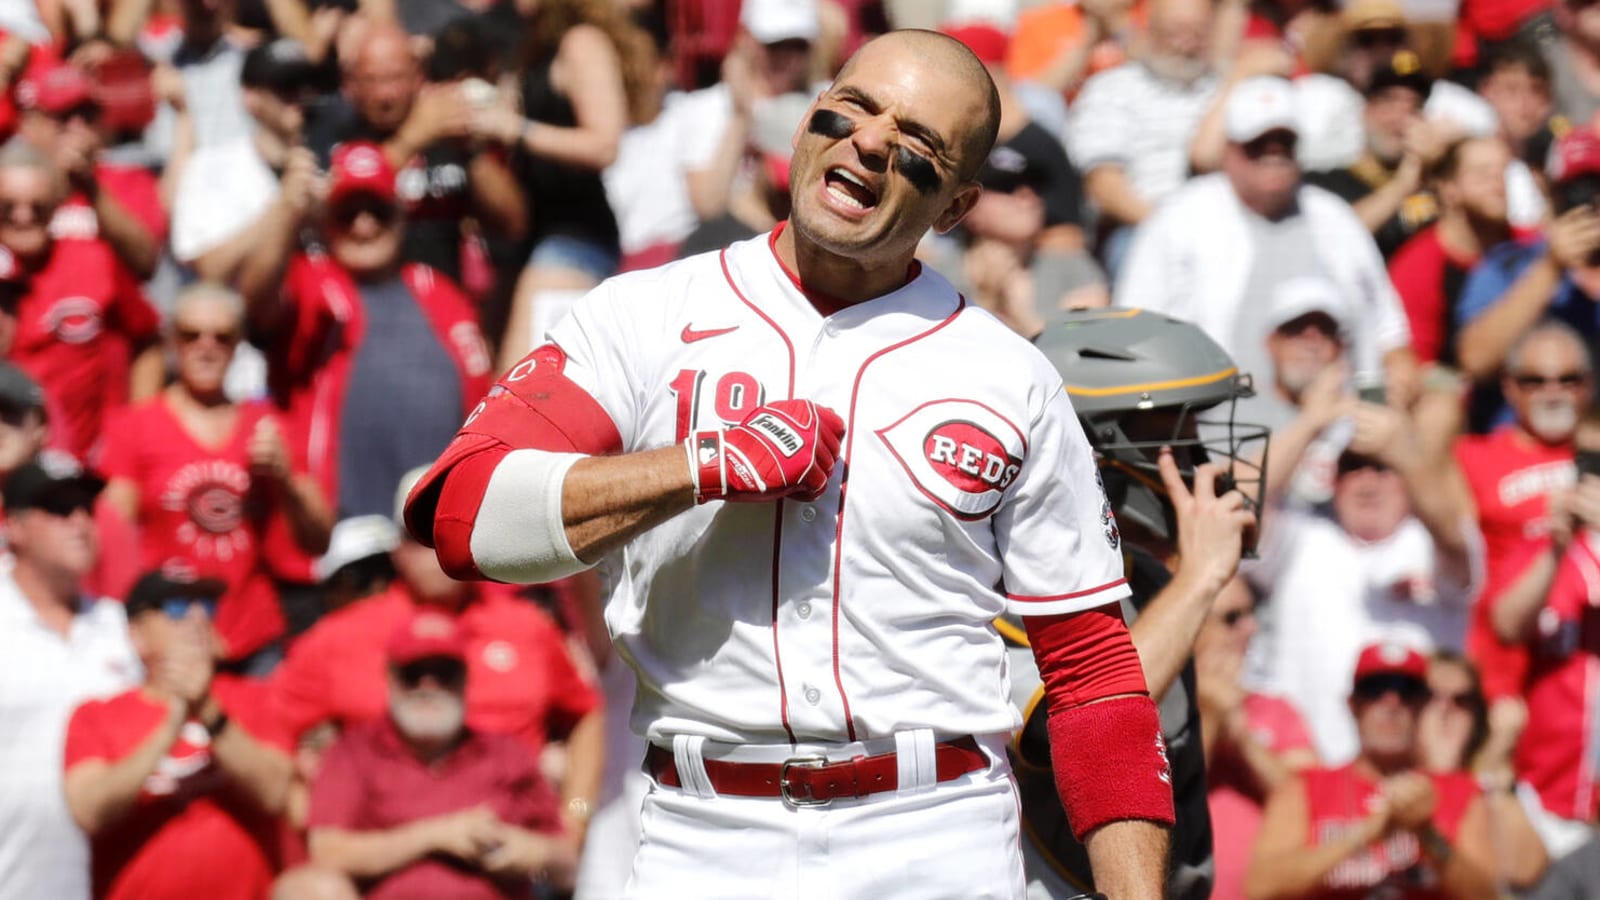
(1548, 386)
(877, 160)
(364, 234)
(204, 334)
(27, 201)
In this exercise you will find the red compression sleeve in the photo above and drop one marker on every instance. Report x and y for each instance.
(1106, 748)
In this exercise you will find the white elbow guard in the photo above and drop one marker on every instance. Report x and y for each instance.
(519, 535)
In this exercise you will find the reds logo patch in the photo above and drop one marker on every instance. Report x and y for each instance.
(73, 320)
(959, 453)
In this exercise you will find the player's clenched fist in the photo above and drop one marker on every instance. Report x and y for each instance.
(783, 448)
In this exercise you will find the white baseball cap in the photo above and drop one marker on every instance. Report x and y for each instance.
(771, 21)
(1308, 294)
(1259, 105)
(356, 539)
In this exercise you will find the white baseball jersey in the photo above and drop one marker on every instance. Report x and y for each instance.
(965, 487)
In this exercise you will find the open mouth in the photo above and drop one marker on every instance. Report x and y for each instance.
(849, 189)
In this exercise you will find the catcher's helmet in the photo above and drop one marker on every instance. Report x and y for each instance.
(1138, 381)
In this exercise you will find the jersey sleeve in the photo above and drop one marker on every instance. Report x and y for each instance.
(1060, 549)
(600, 358)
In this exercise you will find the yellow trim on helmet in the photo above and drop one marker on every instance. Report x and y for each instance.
(1154, 385)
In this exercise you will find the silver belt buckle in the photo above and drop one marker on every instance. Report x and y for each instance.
(791, 799)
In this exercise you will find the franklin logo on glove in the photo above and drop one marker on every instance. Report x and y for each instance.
(789, 443)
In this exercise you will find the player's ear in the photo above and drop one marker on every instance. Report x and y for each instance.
(965, 199)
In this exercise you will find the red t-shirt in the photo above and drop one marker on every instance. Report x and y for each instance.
(1429, 279)
(200, 505)
(370, 781)
(1511, 476)
(1234, 797)
(520, 677)
(190, 833)
(1556, 751)
(76, 323)
(135, 188)
(1338, 799)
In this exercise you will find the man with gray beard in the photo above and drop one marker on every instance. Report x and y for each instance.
(1522, 479)
(417, 805)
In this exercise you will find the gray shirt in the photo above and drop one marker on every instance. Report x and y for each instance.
(1281, 250)
(402, 404)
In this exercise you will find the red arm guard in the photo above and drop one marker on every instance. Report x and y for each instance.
(1109, 758)
(533, 406)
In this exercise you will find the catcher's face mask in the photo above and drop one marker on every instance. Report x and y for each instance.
(1128, 444)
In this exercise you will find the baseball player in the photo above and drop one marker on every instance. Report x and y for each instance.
(1186, 496)
(816, 475)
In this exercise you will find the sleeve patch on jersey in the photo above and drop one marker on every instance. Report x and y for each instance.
(960, 454)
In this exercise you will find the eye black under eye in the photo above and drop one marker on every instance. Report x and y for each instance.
(918, 169)
(830, 124)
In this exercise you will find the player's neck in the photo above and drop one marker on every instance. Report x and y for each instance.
(833, 282)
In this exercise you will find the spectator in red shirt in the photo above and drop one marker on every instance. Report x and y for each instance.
(116, 203)
(81, 314)
(1429, 270)
(201, 475)
(417, 805)
(376, 360)
(1551, 612)
(177, 782)
(1254, 741)
(522, 678)
(1521, 476)
(1376, 826)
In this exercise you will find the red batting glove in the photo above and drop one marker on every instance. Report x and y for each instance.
(781, 449)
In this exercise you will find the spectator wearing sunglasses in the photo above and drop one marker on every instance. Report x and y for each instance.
(1377, 825)
(1254, 741)
(418, 804)
(1458, 731)
(202, 477)
(58, 648)
(1550, 613)
(80, 313)
(1523, 482)
(178, 782)
(380, 358)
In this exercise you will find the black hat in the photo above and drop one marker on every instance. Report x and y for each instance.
(51, 484)
(18, 392)
(153, 589)
(1007, 169)
(280, 66)
(1403, 69)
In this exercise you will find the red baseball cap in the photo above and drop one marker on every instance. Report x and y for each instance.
(1575, 153)
(55, 88)
(428, 634)
(359, 167)
(1389, 658)
(987, 42)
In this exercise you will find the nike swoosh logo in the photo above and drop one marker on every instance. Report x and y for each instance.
(690, 335)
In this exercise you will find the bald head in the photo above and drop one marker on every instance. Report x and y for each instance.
(946, 54)
(384, 44)
(383, 78)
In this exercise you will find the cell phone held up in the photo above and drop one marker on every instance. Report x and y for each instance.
(1588, 462)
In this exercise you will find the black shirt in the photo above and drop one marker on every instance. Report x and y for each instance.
(1417, 211)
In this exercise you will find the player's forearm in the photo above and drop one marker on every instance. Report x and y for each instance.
(606, 501)
(1129, 860)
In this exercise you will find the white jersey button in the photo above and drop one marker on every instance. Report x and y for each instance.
(813, 696)
(808, 513)
(803, 610)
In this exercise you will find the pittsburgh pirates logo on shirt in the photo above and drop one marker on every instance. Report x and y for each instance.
(961, 454)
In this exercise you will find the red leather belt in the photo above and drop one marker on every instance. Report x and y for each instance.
(812, 780)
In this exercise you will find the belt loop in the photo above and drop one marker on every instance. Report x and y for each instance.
(914, 757)
(688, 754)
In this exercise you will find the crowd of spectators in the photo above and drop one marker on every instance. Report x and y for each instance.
(260, 258)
